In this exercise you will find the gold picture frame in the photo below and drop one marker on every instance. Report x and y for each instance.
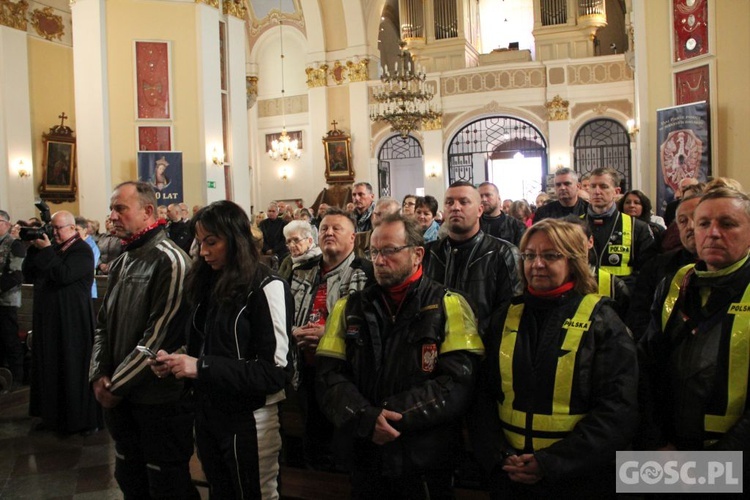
(337, 145)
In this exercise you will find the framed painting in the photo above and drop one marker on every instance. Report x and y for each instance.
(690, 29)
(59, 165)
(154, 138)
(152, 80)
(337, 145)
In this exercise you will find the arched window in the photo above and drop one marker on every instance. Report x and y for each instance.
(399, 155)
(477, 151)
(603, 143)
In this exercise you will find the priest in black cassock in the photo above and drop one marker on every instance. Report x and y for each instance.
(63, 330)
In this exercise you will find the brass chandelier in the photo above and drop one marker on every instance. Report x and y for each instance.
(284, 147)
(403, 99)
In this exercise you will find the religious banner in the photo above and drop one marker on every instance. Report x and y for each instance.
(152, 80)
(163, 170)
(683, 138)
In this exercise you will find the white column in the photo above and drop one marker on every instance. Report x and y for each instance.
(642, 149)
(359, 113)
(92, 106)
(209, 99)
(433, 156)
(239, 153)
(317, 99)
(16, 194)
(559, 145)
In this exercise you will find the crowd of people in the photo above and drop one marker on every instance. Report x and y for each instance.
(531, 341)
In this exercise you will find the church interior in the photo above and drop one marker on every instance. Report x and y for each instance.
(266, 100)
(206, 85)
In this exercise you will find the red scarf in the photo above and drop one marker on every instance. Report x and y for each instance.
(554, 293)
(130, 239)
(398, 292)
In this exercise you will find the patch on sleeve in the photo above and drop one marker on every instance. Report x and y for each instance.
(352, 331)
(429, 357)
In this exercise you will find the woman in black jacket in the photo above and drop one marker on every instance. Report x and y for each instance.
(558, 387)
(237, 355)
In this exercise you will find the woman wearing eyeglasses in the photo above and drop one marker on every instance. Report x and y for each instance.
(301, 242)
(558, 388)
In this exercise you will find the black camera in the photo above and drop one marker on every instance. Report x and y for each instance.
(37, 233)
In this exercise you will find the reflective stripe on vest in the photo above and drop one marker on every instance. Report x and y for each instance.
(624, 268)
(605, 283)
(460, 326)
(739, 355)
(544, 429)
(332, 343)
(673, 294)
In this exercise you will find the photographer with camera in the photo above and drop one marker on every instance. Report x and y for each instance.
(63, 328)
(12, 253)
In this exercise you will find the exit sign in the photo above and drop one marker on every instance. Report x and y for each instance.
(211, 184)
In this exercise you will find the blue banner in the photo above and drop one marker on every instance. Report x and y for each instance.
(163, 170)
(684, 148)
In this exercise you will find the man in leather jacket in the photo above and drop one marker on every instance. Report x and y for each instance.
(153, 435)
(396, 372)
(481, 266)
(694, 357)
(494, 221)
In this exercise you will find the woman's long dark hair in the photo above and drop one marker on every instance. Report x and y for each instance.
(230, 222)
(645, 203)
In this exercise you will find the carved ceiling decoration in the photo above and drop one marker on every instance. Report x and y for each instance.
(261, 16)
(13, 14)
(47, 24)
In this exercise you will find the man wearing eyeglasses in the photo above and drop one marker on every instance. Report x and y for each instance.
(63, 323)
(12, 253)
(485, 268)
(396, 372)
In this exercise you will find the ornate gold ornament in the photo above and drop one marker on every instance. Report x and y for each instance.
(338, 73)
(434, 124)
(235, 8)
(316, 77)
(13, 14)
(47, 24)
(358, 70)
(210, 3)
(557, 109)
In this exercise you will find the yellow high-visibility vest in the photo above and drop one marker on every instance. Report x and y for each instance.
(739, 354)
(543, 429)
(624, 249)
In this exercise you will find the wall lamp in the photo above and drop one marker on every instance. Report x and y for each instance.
(432, 171)
(632, 128)
(217, 158)
(22, 172)
(285, 173)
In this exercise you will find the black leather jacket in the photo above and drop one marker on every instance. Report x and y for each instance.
(685, 365)
(370, 360)
(484, 268)
(142, 306)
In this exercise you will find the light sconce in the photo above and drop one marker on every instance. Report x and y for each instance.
(285, 173)
(432, 171)
(22, 172)
(632, 128)
(217, 158)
